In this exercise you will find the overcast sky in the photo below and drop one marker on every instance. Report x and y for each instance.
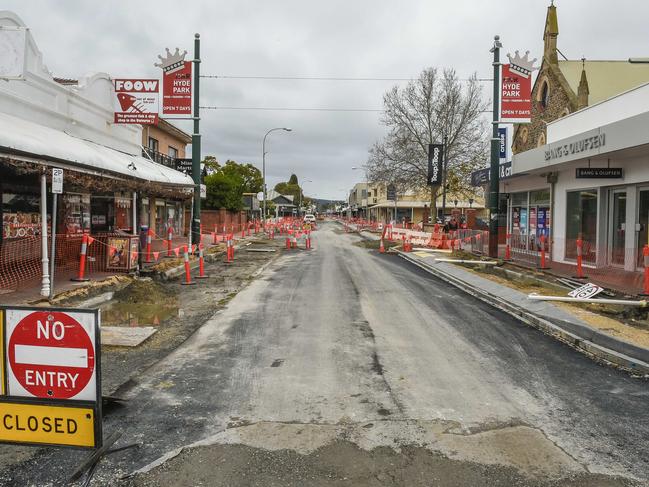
(352, 38)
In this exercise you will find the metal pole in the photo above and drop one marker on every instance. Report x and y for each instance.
(134, 212)
(45, 280)
(263, 173)
(494, 173)
(55, 198)
(444, 179)
(195, 226)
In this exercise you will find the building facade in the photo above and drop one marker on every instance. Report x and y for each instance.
(48, 122)
(580, 170)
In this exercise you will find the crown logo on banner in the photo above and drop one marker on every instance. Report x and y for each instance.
(173, 62)
(522, 66)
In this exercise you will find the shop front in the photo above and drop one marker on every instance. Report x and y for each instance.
(597, 197)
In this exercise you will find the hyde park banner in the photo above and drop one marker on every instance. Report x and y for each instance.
(176, 83)
(516, 90)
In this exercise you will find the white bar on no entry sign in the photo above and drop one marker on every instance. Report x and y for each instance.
(57, 356)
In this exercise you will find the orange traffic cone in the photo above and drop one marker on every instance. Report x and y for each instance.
(382, 247)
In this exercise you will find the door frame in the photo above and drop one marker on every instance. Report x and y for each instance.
(611, 208)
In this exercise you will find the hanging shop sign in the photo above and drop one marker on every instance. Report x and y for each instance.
(599, 173)
(176, 83)
(482, 176)
(136, 101)
(51, 388)
(516, 89)
(435, 161)
(184, 165)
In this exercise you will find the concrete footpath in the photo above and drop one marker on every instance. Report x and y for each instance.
(543, 315)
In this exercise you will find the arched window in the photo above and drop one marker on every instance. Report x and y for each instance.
(544, 98)
(541, 140)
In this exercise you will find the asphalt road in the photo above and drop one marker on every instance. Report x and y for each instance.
(341, 366)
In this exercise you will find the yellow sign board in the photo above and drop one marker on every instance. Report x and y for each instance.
(45, 424)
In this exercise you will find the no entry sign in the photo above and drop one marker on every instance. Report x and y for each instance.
(52, 354)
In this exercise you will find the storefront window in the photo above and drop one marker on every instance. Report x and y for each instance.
(76, 213)
(21, 215)
(581, 222)
(123, 213)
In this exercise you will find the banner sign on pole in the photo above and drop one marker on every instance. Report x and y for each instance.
(51, 376)
(435, 160)
(176, 83)
(502, 135)
(516, 89)
(136, 101)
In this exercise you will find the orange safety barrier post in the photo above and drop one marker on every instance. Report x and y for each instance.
(201, 264)
(188, 277)
(645, 257)
(288, 242)
(543, 260)
(508, 246)
(580, 249)
(85, 241)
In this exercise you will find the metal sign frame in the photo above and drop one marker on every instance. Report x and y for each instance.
(96, 405)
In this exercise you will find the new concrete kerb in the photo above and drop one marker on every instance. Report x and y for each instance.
(583, 338)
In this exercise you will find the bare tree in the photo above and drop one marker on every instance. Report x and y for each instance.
(425, 111)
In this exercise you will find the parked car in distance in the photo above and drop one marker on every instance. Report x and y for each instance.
(309, 218)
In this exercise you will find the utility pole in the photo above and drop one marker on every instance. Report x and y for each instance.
(494, 170)
(196, 144)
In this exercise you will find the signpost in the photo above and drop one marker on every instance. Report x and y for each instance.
(57, 189)
(51, 377)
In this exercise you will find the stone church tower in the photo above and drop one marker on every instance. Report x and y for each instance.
(563, 86)
(552, 95)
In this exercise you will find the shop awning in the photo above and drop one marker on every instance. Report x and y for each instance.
(21, 137)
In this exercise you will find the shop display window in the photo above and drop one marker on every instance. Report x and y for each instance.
(21, 216)
(76, 213)
(581, 222)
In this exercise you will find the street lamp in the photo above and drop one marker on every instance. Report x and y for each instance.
(263, 165)
(367, 199)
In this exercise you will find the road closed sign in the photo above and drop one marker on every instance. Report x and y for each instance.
(52, 354)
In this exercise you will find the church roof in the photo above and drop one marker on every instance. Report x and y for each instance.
(605, 78)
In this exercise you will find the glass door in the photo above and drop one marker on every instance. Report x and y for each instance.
(642, 224)
(617, 228)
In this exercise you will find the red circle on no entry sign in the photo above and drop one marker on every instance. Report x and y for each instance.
(51, 355)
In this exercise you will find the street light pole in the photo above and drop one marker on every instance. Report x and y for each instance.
(263, 167)
(494, 173)
(195, 224)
